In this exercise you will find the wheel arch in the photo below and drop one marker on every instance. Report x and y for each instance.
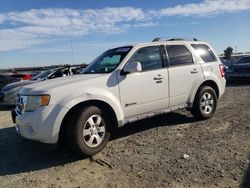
(210, 83)
(75, 109)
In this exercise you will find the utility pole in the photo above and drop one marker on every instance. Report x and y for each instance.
(72, 52)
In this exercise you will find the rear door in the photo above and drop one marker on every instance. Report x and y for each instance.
(184, 73)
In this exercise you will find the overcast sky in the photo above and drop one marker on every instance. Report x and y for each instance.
(45, 32)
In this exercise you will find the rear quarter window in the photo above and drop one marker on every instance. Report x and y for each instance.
(204, 52)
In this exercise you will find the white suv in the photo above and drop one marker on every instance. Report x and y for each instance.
(122, 85)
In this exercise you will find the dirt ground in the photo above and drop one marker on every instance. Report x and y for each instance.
(172, 150)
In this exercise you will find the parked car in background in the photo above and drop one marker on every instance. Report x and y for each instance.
(6, 79)
(239, 70)
(22, 76)
(9, 92)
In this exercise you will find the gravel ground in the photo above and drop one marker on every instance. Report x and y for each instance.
(172, 150)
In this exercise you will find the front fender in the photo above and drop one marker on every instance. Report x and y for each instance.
(108, 98)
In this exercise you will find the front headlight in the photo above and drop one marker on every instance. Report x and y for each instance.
(31, 103)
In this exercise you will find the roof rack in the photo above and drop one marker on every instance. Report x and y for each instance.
(170, 39)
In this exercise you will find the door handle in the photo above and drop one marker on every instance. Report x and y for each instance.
(158, 78)
(194, 71)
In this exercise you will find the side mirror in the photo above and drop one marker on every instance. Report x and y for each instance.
(132, 67)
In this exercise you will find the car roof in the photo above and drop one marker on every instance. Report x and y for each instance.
(165, 42)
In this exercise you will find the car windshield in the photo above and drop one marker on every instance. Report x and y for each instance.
(44, 74)
(108, 61)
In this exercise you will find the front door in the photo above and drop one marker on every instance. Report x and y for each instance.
(145, 91)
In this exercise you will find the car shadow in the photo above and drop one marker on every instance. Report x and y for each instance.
(169, 119)
(19, 155)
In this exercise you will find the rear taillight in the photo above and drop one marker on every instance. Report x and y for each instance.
(222, 70)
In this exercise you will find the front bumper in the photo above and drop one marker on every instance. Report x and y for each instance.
(38, 125)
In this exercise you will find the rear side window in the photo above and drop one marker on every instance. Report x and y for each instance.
(179, 55)
(204, 52)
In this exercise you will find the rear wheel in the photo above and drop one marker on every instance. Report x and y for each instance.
(90, 131)
(205, 103)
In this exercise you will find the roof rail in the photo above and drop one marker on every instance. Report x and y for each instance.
(170, 39)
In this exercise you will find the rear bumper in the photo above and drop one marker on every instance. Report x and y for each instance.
(6, 107)
(9, 97)
(222, 86)
(237, 76)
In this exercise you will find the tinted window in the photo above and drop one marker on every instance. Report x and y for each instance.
(149, 57)
(244, 60)
(179, 55)
(204, 52)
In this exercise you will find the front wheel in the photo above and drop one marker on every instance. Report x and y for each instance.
(90, 131)
(205, 103)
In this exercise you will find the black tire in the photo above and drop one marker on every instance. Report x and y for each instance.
(205, 103)
(94, 140)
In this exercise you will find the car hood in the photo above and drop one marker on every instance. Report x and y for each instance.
(18, 84)
(63, 84)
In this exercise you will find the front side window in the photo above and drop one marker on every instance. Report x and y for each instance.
(204, 52)
(108, 61)
(179, 55)
(149, 57)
